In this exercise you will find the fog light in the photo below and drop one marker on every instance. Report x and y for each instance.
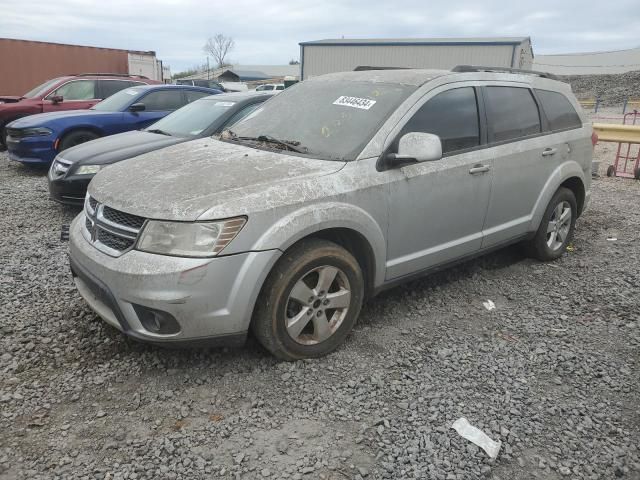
(157, 321)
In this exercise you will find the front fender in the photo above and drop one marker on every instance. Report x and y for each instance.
(314, 218)
(562, 173)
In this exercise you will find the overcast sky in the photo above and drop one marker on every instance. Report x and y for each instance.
(268, 32)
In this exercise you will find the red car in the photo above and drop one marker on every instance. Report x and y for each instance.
(71, 92)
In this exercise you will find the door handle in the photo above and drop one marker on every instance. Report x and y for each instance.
(549, 151)
(476, 169)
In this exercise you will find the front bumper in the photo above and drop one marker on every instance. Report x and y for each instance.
(31, 150)
(69, 190)
(212, 299)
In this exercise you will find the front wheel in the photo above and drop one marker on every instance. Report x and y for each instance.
(556, 228)
(309, 302)
(76, 138)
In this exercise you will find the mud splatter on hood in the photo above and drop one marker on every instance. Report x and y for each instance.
(184, 181)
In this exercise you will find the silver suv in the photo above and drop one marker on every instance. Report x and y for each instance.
(341, 186)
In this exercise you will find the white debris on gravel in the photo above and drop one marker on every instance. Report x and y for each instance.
(477, 436)
(552, 374)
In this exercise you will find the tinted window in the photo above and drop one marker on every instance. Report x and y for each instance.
(109, 87)
(279, 87)
(452, 115)
(41, 89)
(77, 90)
(192, 96)
(512, 113)
(163, 100)
(559, 111)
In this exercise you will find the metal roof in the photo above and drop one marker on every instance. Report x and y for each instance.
(420, 41)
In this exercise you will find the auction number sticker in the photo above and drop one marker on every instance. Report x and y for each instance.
(355, 102)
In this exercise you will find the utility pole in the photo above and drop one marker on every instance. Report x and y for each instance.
(208, 77)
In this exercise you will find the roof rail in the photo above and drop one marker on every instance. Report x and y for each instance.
(364, 68)
(128, 75)
(477, 68)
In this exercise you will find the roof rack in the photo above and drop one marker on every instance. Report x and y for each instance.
(477, 68)
(108, 75)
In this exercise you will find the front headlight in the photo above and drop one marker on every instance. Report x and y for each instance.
(88, 169)
(36, 132)
(189, 239)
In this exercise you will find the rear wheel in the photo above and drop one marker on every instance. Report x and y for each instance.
(310, 301)
(76, 138)
(556, 228)
(611, 171)
(636, 173)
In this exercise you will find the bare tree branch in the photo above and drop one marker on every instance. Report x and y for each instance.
(218, 47)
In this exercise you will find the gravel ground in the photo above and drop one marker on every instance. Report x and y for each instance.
(552, 372)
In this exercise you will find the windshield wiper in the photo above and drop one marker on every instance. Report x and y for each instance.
(291, 145)
(161, 132)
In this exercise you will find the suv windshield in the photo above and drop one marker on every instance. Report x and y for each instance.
(118, 101)
(193, 118)
(41, 89)
(326, 119)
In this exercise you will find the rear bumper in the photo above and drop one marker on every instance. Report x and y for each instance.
(211, 299)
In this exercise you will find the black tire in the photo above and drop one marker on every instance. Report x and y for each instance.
(274, 305)
(611, 171)
(538, 247)
(636, 173)
(77, 137)
(3, 137)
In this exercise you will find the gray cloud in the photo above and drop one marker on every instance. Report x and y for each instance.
(269, 32)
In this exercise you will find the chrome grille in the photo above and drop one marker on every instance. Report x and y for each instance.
(122, 218)
(109, 230)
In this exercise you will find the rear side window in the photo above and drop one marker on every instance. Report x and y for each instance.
(453, 116)
(109, 87)
(560, 113)
(512, 113)
(163, 100)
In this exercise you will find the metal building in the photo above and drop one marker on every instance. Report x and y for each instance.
(590, 63)
(340, 55)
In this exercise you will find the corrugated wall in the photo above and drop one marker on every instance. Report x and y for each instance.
(321, 59)
(26, 64)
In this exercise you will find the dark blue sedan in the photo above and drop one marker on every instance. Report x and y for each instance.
(37, 139)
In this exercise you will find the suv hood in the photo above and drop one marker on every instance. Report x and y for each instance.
(114, 148)
(184, 181)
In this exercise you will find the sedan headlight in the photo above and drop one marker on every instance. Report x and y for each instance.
(189, 239)
(88, 169)
(35, 132)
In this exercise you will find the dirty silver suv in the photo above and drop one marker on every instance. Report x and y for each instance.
(341, 186)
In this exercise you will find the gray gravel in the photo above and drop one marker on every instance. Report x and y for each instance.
(552, 372)
(611, 89)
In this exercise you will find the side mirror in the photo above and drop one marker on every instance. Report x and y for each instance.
(56, 99)
(417, 147)
(137, 107)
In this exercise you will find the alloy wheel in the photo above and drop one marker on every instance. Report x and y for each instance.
(559, 225)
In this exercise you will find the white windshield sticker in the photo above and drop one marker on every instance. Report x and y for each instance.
(224, 104)
(130, 92)
(355, 102)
